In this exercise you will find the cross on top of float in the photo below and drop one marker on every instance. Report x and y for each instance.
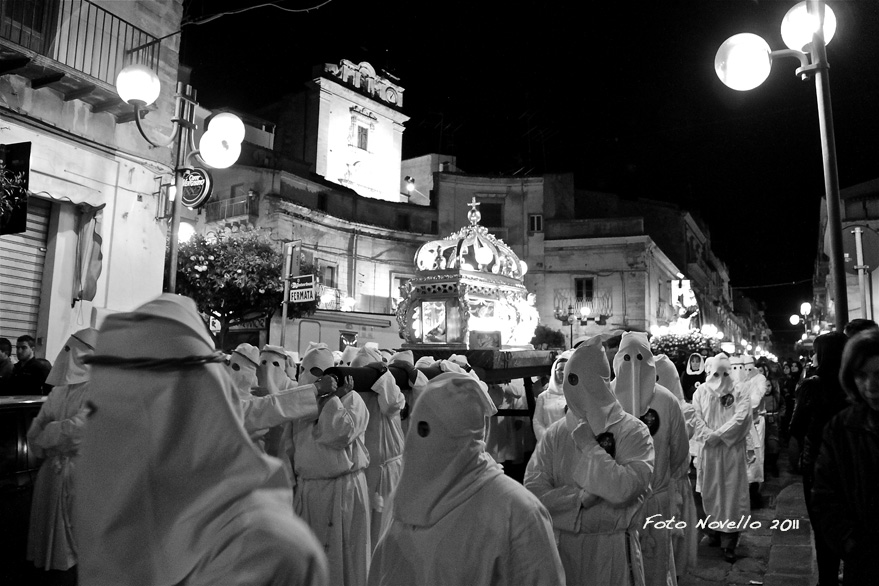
(471, 248)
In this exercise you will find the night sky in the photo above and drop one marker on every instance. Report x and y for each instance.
(623, 94)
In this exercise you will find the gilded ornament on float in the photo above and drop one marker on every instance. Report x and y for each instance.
(468, 293)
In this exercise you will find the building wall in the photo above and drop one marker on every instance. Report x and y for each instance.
(83, 157)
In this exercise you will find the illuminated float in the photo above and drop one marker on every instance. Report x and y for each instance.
(468, 294)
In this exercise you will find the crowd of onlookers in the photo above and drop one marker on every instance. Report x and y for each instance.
(167, 461)
(25, 376)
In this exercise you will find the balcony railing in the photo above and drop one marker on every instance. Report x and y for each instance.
(600, 304)
(77, 34)
(227, 209)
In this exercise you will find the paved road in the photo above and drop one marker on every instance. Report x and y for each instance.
(768, 556)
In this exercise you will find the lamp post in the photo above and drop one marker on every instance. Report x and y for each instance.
(219, 147)
(743, 62)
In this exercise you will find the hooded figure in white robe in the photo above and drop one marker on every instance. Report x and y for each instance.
(383, 439)
(549, 406)
(723, 419)
(272, 380)
(754, 386)
(259, 414)
(404, 359)
(592, 471)
(170, 490)
(685, 542)
(456, 518)
(637, 391)
(329, 459)
(55, 434)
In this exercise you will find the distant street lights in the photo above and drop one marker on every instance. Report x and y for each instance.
(743, 63)
(805, 310)
(219, 147)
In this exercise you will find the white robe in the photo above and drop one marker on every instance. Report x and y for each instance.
(456, 519)
(722, 475)
(639, 394)
(329, 458)
(755, 388)
(598, 544)
(549, 407)
(170, 490)
(55, 434)
(384, 442)
(501, 535)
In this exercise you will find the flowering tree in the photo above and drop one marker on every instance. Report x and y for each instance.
(235, 279)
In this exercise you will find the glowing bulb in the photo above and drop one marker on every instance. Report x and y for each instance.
(523, 266)
(798, 26)
(585, 311)
(138, 84)
(483, 255)
(742, 62)
(228, 126)
(218, 151)
(794, 320)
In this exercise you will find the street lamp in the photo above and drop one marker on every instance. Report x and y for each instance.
(743, 62)
(805, 310)
(219, 147)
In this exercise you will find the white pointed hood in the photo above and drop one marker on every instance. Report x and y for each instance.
(272, 370)
(587, 387)
(164, 460)
(444, 459)
(243, 363)
(69, 367)
(319, 357)
(635, 373)
(667, 376)
(718, 376)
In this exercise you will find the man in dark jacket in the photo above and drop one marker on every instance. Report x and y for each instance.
(29, 373)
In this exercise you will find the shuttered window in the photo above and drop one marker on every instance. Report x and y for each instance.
(21, 272)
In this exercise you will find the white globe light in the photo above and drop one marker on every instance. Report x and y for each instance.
(217, 151)
(719, 335)
(523, 266)
(806, 308)
(794, 320)
(138, 84)
(798, 26)
(585, 311)
(227, 125)
(483, 255)
(185, 232)
(742, 61)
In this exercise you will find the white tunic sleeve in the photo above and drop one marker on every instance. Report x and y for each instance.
(561, 500)
(299, 403)
(390, 397)
(341, 421)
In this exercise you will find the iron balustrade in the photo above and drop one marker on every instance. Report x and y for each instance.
(218, 211)
(78, 34)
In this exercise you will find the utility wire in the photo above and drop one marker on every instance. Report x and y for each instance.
(775, 284)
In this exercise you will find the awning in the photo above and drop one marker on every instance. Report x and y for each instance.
(65, 190)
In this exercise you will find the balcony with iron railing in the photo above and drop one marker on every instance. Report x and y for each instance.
(599, 306)
(239, 209)
(74, 47)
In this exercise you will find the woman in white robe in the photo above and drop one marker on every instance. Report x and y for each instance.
(723, 420)
(549, 406)
(456, 518)
(170, 490)
(55, 435)
(329, 461)
(592, 472)
(637, 391)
